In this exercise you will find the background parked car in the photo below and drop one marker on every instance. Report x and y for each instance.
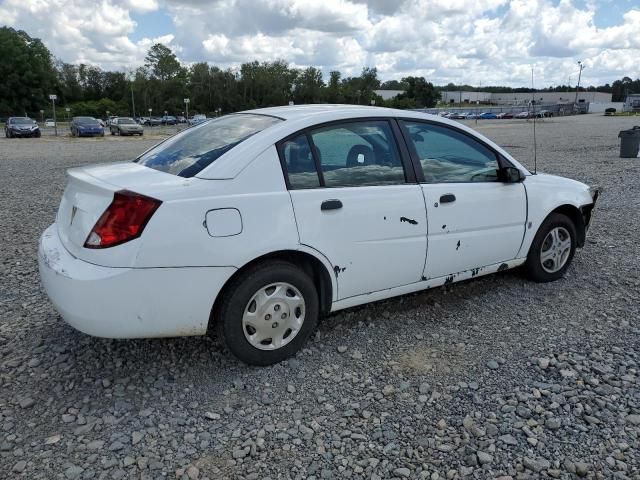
(505, 115)
(181, 119)
(152, 121)
(49, 122)
(487, 116)
(169, 120)
(522, 115)
(196, 119)
(86, 127)
(457, 116)
(21, 127)
(125, 126)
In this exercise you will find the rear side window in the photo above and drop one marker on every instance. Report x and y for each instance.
(349, 154)
(358, 154)
(300, 164)
(191, 151)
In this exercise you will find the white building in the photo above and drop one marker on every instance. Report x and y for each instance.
(632, 103)
(465, 97)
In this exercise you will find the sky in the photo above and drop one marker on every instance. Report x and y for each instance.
(478, 42)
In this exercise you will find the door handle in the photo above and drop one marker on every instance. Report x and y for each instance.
(447, 198)
(333, 204)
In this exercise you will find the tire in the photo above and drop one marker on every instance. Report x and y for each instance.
(39, 134)
(559, 259)
(238, 300)
(8, 133)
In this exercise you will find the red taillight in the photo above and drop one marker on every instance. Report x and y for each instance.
(123, 220)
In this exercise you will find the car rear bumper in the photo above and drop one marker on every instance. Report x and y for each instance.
(128, 302)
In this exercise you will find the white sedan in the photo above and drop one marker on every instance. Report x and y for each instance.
(260, 222)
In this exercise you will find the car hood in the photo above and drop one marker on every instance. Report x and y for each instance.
(556, 183)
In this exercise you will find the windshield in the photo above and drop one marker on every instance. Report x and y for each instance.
(86, 121)
(125, 121)
(22, 121)
(189, 152)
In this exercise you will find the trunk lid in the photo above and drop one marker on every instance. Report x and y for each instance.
(87, 195)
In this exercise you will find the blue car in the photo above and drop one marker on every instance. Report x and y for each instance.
(488, 116)
(86, 127)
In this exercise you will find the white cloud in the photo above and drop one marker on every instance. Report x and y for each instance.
(471, 41)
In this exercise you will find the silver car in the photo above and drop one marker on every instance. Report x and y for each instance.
(125, 126)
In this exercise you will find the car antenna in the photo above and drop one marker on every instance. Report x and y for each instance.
(533, 106)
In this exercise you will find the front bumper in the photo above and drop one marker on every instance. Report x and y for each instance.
(24, 133)
(90, 133)
(128, 302)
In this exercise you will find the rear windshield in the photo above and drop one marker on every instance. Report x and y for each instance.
(189, 152)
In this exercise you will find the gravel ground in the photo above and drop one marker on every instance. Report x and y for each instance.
(493, 378)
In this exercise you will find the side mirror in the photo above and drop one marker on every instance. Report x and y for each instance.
(510, 175)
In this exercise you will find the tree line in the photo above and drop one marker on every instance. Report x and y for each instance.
(29, 73)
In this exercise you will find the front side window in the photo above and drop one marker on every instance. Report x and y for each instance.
(449, 156)
(188, 153)
(358, 154)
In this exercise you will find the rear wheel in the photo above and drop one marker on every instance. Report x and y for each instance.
(552, 249)
(268, 313)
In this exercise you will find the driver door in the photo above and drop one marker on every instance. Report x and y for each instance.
(475, 220)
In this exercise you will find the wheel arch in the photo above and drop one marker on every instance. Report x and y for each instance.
(314, 266)
(577, 217)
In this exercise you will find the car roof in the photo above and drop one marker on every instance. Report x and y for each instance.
(291, 112)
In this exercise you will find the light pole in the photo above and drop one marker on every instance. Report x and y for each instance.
(150, 122)
(53, 99)
(579, 76)
(186, 107)
(67, 110)
(42, 115)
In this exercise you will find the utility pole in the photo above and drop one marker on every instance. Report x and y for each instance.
(133, 102)
(579, 75)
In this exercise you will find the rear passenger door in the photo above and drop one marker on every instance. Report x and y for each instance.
(356, 202)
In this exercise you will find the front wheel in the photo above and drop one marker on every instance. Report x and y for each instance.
(552, 249)
(268, 313)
